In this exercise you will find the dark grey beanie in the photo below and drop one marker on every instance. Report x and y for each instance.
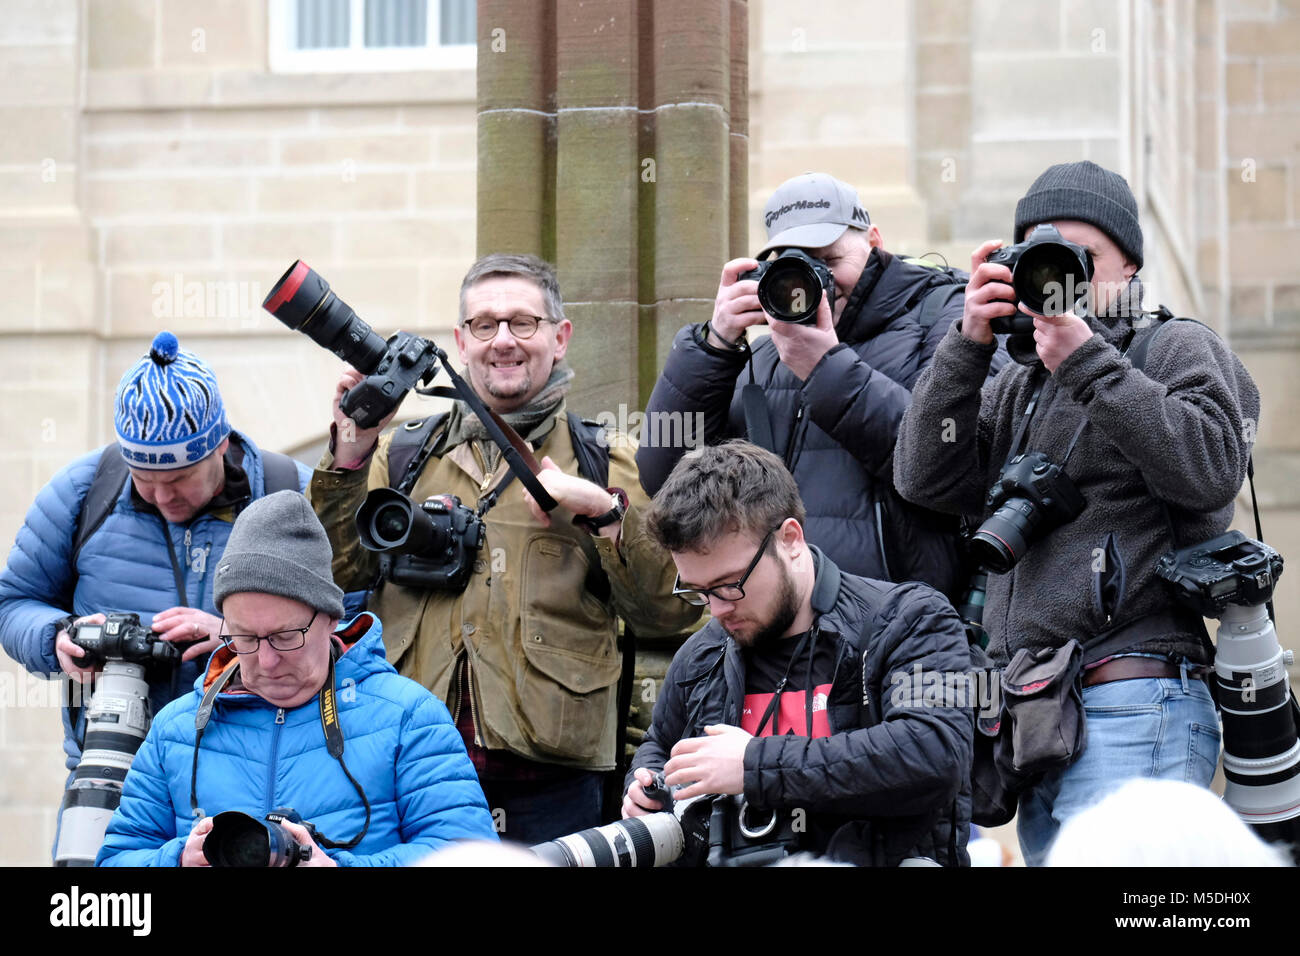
(1089, 193)
(278, 546)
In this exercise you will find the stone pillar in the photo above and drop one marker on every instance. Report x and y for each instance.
(608, 142)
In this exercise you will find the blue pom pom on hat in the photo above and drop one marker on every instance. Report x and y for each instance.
(168, 411)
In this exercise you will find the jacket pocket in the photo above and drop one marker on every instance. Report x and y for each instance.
(1108, 579)
(566, 674)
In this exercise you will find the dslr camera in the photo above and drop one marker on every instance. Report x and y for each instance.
(236, 839)
(302, 300)
(117, 721)
(1030, 498)
(790, 286)
(431, 546)
(1049, 274)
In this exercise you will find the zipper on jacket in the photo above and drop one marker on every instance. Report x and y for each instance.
(275, 751)
(473, 713)
(457, 693)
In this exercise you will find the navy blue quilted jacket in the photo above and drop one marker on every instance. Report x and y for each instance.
(399, 744)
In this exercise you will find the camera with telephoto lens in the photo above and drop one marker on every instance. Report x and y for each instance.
(1049, 274)
(430, 546)
(703, 830)
(790, 286)
(303, 301)
(1232, 577)
(1030, 498)
(236, 839)
(117, 720)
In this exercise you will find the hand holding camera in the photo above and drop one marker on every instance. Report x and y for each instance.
(73, 658)
(736, 307)
(353, 445)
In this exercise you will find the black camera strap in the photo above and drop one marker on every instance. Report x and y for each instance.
(329, 719)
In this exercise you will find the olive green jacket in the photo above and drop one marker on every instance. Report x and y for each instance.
(542, 650)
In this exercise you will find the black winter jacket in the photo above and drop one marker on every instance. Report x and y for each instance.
(892, 780)
(836, 430)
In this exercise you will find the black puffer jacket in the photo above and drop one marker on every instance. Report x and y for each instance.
(836, 430)
(892, 780)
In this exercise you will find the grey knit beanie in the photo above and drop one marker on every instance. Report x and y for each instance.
(278, 546)
(1088, 193)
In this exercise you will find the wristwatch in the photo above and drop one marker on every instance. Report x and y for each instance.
(618, 508)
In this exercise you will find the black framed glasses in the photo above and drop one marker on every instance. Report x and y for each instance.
(723, 592)
(484, 327)
(287, 640)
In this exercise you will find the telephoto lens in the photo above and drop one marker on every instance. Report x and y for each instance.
(655, 839)
(302, 300)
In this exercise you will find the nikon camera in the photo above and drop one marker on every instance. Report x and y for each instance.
(1049, 274)
(790, 286)
(430, 546)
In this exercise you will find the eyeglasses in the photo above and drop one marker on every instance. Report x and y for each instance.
(723, 592)
(287, 640)
(484, 327)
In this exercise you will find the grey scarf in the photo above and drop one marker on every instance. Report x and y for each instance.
(533, 422)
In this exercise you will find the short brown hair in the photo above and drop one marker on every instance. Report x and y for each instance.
(506, 265)
(723, 489)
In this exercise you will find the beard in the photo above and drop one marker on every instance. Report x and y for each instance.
(783, 614)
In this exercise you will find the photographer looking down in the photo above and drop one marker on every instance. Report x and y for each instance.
(800, 693)
(832, 384)
(1122, 464)
(299, 715)
(524, 651)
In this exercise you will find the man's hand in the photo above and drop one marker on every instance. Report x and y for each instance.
(711, 764)
(183, 624)
(192, 855)
(303, 837)
(801, 347)
(1057, 336)
(736, 307)
(578, 495)
(988, 294)
(69, 653)
(635, 801)
(353, 445)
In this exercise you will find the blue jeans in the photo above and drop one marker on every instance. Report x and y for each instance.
(1146, 727)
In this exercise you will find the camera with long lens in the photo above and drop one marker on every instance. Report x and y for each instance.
(432, 545)
(1030, 498)
(303, 301)
(1049, 273)
(236, 839)
(703, 830)
(790, 286)
(1231, 577)
(117, 721)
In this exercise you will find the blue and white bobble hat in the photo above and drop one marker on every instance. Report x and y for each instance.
(168, 410)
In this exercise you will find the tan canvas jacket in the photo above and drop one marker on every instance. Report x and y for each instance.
(542, 651)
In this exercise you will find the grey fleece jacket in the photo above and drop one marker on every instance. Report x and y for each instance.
(1180, 430)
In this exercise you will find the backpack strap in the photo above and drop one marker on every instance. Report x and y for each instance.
(591, 448)
(105, 488)
(279, 473)
(408, 440)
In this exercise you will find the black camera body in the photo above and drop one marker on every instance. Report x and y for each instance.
(121, 638)
(1030, 498)
(431, 546)
(302, 300)
(238, 840)
(1229, 569)
(1049, 273)
(790, 286)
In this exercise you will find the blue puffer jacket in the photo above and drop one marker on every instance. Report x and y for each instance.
(123, 567)
(399, 744)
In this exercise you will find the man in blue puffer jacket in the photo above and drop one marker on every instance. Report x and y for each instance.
(293, 713)
(190, 475)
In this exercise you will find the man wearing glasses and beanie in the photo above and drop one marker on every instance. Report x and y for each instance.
(803, 693)
(284, 681)
(526, 655)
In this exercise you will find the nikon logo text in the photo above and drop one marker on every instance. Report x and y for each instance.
(102, 909)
